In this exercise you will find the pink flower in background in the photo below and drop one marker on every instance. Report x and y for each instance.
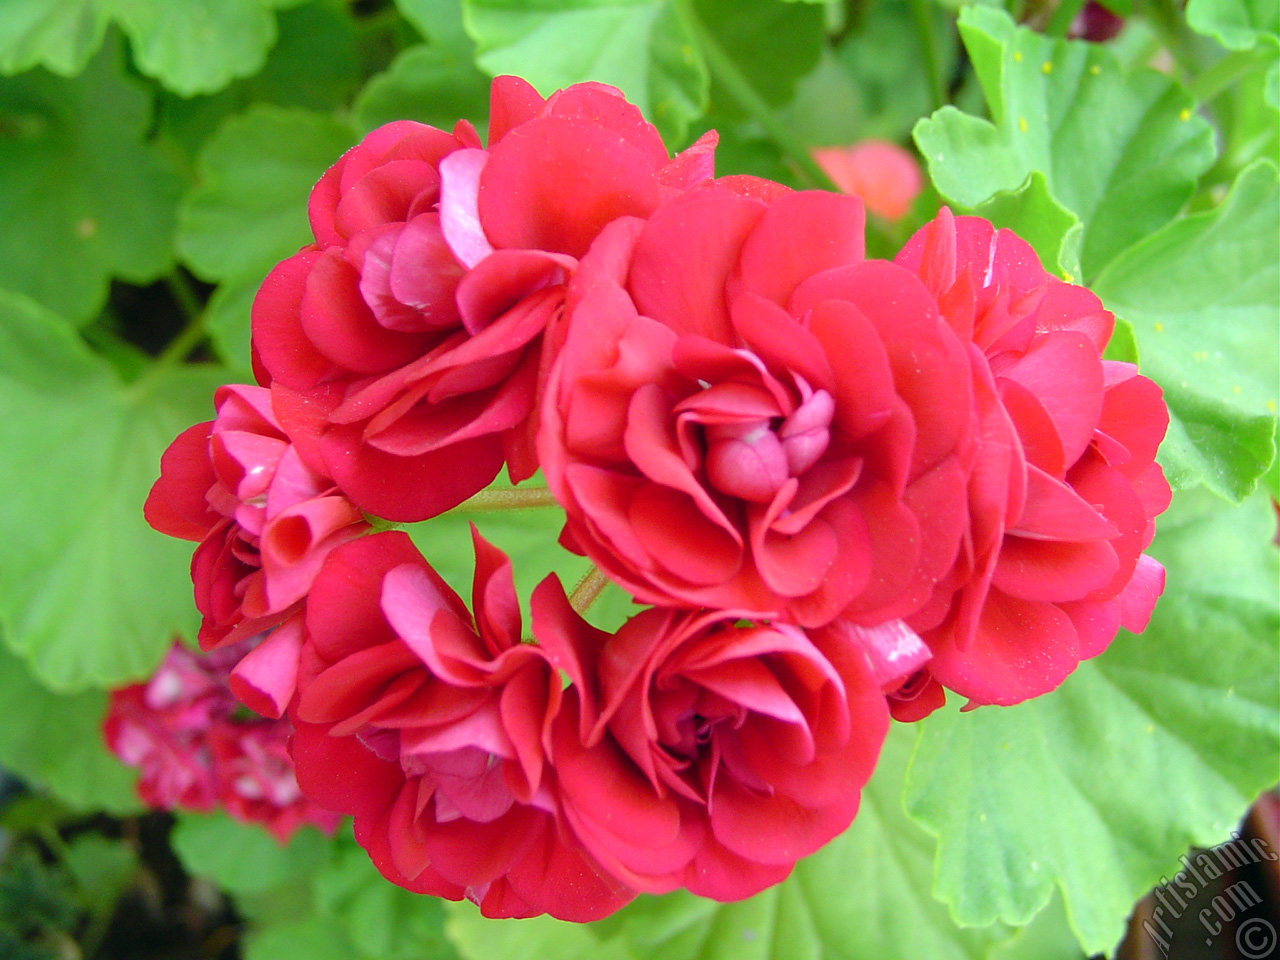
(697, 750)
(405, 344)
(747, 415)
(1064, 492)
(194, 749)
(428, 727)
(886, 176)
(265, 518)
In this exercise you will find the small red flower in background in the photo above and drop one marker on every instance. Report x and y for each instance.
(747, 415)
(264, 517)
(404, 345)
(194, 749)
(1065, 490)
(884, 175)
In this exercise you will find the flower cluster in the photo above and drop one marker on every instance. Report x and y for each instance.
(194, 746)
(837, 486)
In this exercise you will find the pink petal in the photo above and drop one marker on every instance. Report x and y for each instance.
(459, 205)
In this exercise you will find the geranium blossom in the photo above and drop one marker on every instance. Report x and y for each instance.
(195, 748)
(264, 516)
(428, 726)
(747, 415)
(404, 345)
(1064, 492)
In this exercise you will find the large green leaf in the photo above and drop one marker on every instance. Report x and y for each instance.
(1159, 744)
(1122, 151)
(866, 894)
(540, 938)
(432, 83)
(198, 46)
(190, 46)
(92, 199)
(58, 34)
(248, 209)
(382, 921)
(315, 64)
(54, 742)
(643, 47)
(773, 44)
(242, 857)
(89, 594)
(314, 938)
(1237, 24)
(1202, 296)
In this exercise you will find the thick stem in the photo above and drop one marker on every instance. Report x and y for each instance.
(1223, 74)
(737, 85)
(588, 589)
(514, 499)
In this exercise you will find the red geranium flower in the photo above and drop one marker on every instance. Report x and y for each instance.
(428, 727)
(1064, 492)
(746, 415)
(695, 750)
(405, 344)
(265, 519)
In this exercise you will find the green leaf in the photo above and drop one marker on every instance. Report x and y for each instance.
(1122, 151)
(55, 742)
(315, 938)
(431, 83)
(774, 44)
(242, 857)
(1236, 24)
(643, 47)
(438, 20)
(102, 869)
(1201, 294)
(249, 204)
(539, 938)
(1159, 744)
(248, 209)
(93, 199)
(60, 35)
(382, 921)
(94, 596)
(883, 59)
(315, 64)
(198, 46)
(1034, 214)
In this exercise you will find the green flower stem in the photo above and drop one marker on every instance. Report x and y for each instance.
(184, 293)
(513, 499)
(588, 589)
(739, 87)
(187, 339)
(921, 13)
(181, 345)
(1223, 74)
(1063, 16)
